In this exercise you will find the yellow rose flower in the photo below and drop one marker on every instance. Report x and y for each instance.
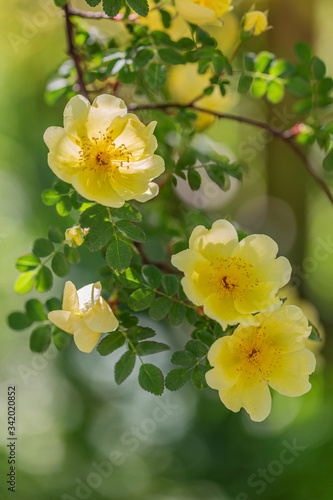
(256, 21)
(85, 314)
(271, 353)
(106, 153)
(202, 12)
(74, 236)
(231, 279)
(181, 91)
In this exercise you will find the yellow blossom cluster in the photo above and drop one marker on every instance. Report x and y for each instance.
(237, 283)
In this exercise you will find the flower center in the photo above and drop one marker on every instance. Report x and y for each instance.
(101, 155)
(259, 355)
(232, 276)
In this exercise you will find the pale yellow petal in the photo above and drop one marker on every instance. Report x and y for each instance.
(63, 158)
(103, 111)
(135, 179)
(101, 318)
(64, 320)
(287, 326)
(85, 339)
(75, 116)
(252, 394)
(225, 362)
(217, 242)
(151, 192)
(196, 14)
(222, 310)
(70, 301)
(97, 187)
(137, 138)
(291, 378)
(260, 298)
(88, 296)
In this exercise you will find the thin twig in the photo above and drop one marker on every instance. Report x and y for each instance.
(285, 136)
(72, 52)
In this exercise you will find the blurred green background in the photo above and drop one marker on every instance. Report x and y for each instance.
(80, 436)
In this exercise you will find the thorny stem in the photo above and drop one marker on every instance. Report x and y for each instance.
(286, 136)
(72, 52)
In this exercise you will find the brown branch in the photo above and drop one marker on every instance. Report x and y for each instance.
(91, 15)
(99, 15)
(72, 52)
(285, 136)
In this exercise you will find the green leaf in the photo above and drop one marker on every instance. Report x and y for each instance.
(40, 338)
(152, 276)
(138, 333)
(314, 335)
(62, 3)
(176, 379)
(130, 278)
(198, 377)
(25, 282)
(171, 56)
(44, 279)
(259, 87)
(183, 358)
(60, 265)
(126, 75)
(151, 379)
(244, 83)
(194, 179)
(325, 85)
(19, 321)
(156, 75)
(166, 18)
(99, 236)
(56, 234)
(72, 254)
(35, 310)
(139, 6)
(61, 339)
(42, 247)
(142, 58)
(319, 68)
(141, 299)
(217, 174)
(177, 314)
(205, 337)
(160, 308)
(110, 343)
(112, 7)
(62, 187)
(263, 61)
(27, 263)
(53, 304)
(64, 206)
(196, 347)
(124, 366)
(93, 3)
(131, 230)
(275, 91)
(50, 197)
(150, 347)
(281, 68)
(127, 212)
(191, 315)
(299, 86)
(328, 161)
(118, 255)
(170, 284)
(303, 52)
(93, 215)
